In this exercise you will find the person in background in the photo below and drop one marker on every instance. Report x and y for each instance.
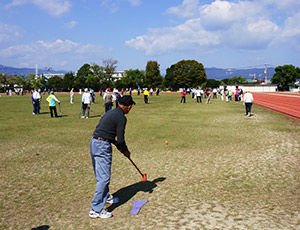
(36, 97)
(108, 98)
(236, 95)
(72, 96)
(151, 92)
(182, 96)
(92, 95)
(198, 95)
(146, 96)
(208, 97)
(117, 96)
(51, 99)
(86, 103)
(248, 101)
(215, 91)
(32, 100)
(230, 95)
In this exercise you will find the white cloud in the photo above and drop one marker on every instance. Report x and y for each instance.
(188, 36)
(53, 7)
(187, 9)
(291, 31)
(53, 53)
(243, 25)
(222, 14)
(71, 24)
(292, 26)
(8, 33)
(135, 2)
(254, 34)
(110, 4)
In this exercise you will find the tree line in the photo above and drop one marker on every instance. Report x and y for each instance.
(183, 74)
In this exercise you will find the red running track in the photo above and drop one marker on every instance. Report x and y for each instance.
(285, 103)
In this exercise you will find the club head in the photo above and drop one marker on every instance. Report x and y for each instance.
(144, 177)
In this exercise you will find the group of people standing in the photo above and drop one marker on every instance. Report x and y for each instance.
(36, 99)
(197, 94)
(88, 97)
(238, 96)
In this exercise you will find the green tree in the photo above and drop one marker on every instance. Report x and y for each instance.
(285, 75)
(212, 83)
(98, 77)
(189, 73)
(32, 82)
(4, 82)
(235, 80)
(81, 76)
(169, 81)
(133, 79)
(55, 82)
(68, 81)
(153, 78)
(109, 67)
(18, 80)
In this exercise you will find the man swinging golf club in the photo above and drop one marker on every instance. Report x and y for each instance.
(110, 126)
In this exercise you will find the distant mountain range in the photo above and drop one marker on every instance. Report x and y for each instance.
(23, 71)
(251, 73)
(212, 73)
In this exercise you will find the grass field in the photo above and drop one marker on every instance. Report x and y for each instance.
(219, 170)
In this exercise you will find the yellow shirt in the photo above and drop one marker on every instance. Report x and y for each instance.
(146, 92)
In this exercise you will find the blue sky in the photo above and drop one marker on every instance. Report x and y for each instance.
(65, 34)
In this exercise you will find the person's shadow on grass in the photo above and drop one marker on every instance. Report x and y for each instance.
(125, 194)
(43, 227)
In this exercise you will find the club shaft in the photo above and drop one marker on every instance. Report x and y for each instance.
(136, 167)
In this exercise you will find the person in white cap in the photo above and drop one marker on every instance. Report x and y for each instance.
(86, 103)
(72, 96)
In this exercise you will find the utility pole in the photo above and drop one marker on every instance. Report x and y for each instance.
(266, 73)
(36, 71)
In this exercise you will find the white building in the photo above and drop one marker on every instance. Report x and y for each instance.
(48, 75)
(252, 88)
(117, 75)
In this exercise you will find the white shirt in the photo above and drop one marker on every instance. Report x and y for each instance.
(36, 95)
(86, 98)
(248, 98)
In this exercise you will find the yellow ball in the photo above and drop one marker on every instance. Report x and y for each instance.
(166, 142)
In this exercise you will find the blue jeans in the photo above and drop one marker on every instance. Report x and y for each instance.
(101, 154)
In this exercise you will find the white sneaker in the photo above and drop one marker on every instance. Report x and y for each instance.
(82, 116)
(87, 117)
(112, 200)
(103, 214)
